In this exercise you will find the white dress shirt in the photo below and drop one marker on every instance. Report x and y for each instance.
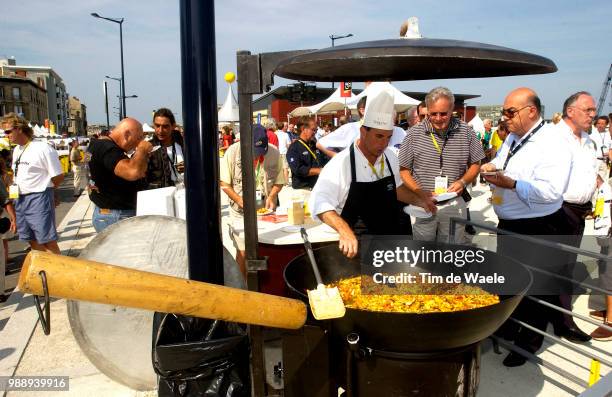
(348, 133)
(583, 174)
(541, 168)
(332, 188)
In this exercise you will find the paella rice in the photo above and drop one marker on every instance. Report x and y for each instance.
(407, 299)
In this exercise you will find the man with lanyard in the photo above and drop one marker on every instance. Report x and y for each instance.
(166, 165)
(303, 157)
(37, 172)
(269, 180)
(440, 155)
(530, 174)
(602, 139)
(361, 184)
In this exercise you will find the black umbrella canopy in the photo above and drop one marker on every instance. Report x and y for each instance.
(412, 59)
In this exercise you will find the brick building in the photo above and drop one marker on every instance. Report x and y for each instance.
(24, 97)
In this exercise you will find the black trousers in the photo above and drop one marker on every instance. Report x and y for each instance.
(554, 227)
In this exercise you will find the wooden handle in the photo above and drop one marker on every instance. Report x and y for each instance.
(80, 279)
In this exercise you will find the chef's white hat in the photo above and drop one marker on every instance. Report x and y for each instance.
(379, 109)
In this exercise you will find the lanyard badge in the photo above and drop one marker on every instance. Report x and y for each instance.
(14, 192)
(440, 184)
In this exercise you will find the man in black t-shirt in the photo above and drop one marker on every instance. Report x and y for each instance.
(305, 161)
(117, 178)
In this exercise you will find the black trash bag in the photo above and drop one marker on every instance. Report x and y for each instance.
(200, 357)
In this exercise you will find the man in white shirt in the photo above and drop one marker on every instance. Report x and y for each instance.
(532, 170)
(362, 183)
(283, 144)
(348, 133)
(37, 172)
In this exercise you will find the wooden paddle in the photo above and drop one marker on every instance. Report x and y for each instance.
(79, 279)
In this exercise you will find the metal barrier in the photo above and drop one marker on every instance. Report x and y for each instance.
(607, 380)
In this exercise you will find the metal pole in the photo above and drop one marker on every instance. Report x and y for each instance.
(106, 105)
(121, 115)
(122, 84)
(332, 39)
(199, 88)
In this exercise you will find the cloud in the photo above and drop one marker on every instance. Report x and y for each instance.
(83, 50)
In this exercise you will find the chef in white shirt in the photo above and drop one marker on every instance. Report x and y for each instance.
(361, 185)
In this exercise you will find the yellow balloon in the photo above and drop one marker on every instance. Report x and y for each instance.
(230, 77)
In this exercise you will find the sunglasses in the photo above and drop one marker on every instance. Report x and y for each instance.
(7, 132)
(510, 112)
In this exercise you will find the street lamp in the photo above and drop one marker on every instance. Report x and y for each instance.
(121, 115)
(335, 37)
(120, 22)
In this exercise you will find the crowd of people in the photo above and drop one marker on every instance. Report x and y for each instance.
(543, 178)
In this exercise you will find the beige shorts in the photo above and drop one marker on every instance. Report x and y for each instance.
(236, 230)
(284, 161)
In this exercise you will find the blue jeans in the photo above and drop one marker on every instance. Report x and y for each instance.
(103, 220)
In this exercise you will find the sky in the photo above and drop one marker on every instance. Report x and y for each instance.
(83, 49)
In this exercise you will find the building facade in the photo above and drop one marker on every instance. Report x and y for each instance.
(77, 120)
(23, 97)
(46, 78)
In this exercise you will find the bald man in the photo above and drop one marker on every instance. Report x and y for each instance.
(117, 176)
(529, 175)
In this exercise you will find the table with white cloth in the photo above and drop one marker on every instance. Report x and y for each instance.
(281, 243)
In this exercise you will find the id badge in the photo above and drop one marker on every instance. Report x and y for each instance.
(13, 192)
(497, 197)
(440, 184)
(258, 195)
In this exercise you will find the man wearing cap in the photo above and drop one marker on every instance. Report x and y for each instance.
(361, 184)
(37, 172)
(269, 180)
(440, 154)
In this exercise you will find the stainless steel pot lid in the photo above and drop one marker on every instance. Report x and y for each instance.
(412, 59)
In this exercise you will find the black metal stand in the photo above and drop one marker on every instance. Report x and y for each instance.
(198, 65)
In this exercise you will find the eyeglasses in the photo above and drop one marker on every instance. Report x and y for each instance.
(509, 113)
(587, 110)
(7, 132)
(439, 114)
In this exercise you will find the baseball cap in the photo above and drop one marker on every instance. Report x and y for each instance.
(260, 140)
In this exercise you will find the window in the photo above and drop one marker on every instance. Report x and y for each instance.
(16, 93)
(1, 92)
(2, 109)
(19, 110)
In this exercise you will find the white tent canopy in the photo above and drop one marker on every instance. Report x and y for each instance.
(477, 123)
(229, 110)
(147, 128)
(401, 101)
(332, 104)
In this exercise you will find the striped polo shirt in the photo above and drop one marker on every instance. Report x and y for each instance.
(419, 155)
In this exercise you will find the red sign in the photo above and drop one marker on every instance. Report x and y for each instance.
(345, 89)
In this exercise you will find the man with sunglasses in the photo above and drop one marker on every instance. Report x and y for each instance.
(37, 172)
(530, 175)
(438, 155)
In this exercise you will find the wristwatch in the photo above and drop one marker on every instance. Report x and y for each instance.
(462, 182)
